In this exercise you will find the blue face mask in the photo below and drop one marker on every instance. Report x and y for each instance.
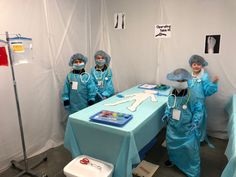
(100, 62)
(78, 66)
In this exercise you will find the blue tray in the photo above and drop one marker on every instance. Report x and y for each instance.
(111, 118)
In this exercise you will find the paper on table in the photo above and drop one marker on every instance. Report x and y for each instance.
(148, 86)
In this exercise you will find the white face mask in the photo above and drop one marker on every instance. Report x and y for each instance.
(78, 66)
(180, 85)
(100, 62)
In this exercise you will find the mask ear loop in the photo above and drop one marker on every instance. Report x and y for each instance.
(168, 105)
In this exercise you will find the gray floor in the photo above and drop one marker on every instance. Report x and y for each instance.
(57, 158)
(213, 161)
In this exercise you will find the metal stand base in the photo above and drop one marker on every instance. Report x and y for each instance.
(29, 170)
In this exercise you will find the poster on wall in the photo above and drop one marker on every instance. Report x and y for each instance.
(212, 44)
(163, 31)
(119, 21)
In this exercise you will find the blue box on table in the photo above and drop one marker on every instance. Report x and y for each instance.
(111, 118)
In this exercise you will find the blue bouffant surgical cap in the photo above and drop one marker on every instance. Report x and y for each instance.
(179, 74)
(77, 56)
(197, 59)
(104, 54)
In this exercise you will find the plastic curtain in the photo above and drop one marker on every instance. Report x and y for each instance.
(59, 28)
(142, 58)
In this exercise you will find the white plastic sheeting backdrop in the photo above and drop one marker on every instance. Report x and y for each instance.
(59, 28)
(142, 58)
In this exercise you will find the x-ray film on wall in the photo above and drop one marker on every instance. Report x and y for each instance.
(212, 44)
(119, 21)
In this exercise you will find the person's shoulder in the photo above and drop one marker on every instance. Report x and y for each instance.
(109, 69)
(205, 73)
(205, 76)
(92, 68)
(69, 73)
(190, 81)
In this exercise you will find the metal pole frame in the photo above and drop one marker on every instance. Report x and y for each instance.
(24, 169)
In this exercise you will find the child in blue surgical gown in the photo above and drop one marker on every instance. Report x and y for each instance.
(79, 89)
(201, 86)
(183, 115)
(102, 76)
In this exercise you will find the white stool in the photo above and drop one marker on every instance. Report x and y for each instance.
(85, 166)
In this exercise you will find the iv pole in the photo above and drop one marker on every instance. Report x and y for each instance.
(25, 169)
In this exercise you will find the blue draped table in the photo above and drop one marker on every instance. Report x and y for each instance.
(230, 169)
(116, 145)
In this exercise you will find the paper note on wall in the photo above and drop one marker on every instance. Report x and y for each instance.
(163, 31)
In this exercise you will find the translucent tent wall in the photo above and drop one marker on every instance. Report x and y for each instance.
(59, 28)
(152, 58)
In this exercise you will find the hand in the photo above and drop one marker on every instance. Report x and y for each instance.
(66, 103)
(91, 102)
(67, 108)
(211, 42)
(215, 79)
(165, 118)
(192, 127)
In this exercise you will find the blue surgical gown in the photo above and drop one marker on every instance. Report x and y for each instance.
(201, 88)
(103, 82)
(78, 97)
(183, 135)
